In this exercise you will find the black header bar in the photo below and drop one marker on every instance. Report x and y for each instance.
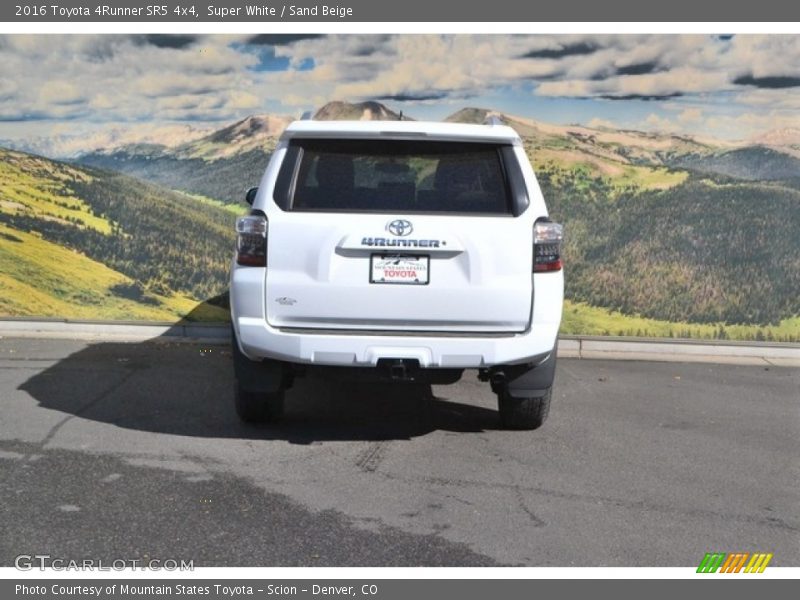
(354, 11)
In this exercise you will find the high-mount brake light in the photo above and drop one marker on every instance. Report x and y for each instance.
(251, 241)
(547, 240)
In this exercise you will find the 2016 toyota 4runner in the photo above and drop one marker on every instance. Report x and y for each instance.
(408, 251)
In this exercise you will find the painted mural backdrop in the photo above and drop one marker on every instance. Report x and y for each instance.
(674, 162)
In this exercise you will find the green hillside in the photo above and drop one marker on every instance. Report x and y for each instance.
(701, 252)
(225, 178)
(39, 187)
(755, 163)
(581, 319)
(626, 160)
(40, 278)
(84, 243)
(580, 171)
(654, 245)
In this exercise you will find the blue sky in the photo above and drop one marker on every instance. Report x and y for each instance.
(731, 87)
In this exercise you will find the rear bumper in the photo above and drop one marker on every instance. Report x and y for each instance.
(258, 340)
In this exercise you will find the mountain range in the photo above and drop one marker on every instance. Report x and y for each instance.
(225, 162)
(66, 146)
(359, 111)
(667, 234)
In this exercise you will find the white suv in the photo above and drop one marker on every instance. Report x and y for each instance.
(403, 250)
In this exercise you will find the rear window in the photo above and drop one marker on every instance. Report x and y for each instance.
(396, 176)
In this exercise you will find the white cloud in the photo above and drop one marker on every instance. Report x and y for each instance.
(60, 92)
(678, 81)
(740, 126)
(690, 115)
(122, 78)
(116, 77)
(747, 125)
(242, 100)
(659, 124)
(598, 123)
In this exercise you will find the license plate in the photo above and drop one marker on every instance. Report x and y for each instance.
(403, 268)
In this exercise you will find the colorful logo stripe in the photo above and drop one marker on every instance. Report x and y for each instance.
(734, 562)
(711, 562)
(758, 563)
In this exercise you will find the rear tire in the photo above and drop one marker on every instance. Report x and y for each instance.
(256, 407)
(523, 413)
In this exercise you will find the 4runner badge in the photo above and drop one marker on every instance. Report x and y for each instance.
(400, 227)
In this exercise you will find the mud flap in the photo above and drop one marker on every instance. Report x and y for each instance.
(264, 377)
(527, 381)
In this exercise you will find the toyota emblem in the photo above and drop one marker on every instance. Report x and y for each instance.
(400, 227)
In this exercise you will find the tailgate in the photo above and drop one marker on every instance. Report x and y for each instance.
(455, 274)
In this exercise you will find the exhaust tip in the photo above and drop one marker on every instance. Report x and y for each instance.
(498, 377)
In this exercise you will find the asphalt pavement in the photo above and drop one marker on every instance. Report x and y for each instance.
(133, 451)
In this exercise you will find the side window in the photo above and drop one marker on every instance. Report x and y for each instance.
(324, 180)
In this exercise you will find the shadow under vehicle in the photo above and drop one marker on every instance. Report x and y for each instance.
(167, 385)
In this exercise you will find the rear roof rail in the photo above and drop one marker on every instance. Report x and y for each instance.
(307, 116)
(493, 120)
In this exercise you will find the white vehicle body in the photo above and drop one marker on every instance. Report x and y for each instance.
(406, 250)
(314, 303)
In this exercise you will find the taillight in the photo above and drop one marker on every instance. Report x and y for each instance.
(547, 238)
(251, 241)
